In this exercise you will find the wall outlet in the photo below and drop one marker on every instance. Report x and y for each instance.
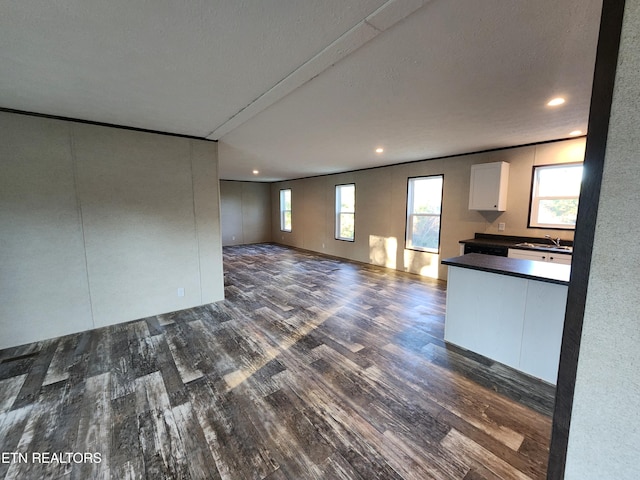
(323, 245)
(233, 237)
(181, 292)
(501, 226)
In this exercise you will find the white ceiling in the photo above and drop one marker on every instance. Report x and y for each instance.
(300, 88)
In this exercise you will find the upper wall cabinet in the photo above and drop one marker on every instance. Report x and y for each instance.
(489, 183)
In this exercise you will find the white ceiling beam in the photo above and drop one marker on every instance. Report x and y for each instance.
(370, 27)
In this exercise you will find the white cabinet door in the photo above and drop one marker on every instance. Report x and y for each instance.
(560, 258)
(528, 255)
(540, 256)
(488, 189)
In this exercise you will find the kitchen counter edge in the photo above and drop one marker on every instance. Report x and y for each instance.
(514, 267)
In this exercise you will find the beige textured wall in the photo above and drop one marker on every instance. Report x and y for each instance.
(246, 212)
(43, 277)
(604, 439)
(381, 207)
(101, 226)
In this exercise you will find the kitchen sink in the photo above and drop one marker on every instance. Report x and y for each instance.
(545, 246)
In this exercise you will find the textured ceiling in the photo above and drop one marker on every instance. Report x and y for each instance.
(299, 88)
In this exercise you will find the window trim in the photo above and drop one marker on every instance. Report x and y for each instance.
(283, 210)
(408, 245)
(532, 209)
(338, 212)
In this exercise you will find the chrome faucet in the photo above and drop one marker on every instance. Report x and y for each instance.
(555, 241)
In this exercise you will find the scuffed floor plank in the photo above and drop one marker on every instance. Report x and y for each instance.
(94, 430)
(9, 389)
(476, 454)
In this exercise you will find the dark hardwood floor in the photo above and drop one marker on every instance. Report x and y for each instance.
(312, 368)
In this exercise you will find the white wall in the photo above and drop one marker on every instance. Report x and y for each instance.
(102, 225)
(604, 438)
(381, 207)
(246, 212)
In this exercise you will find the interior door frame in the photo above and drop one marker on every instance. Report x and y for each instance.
(598, 128)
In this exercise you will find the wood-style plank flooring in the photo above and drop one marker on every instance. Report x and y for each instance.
(312, 368)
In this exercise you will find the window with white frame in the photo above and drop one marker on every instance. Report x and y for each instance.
(285, 210)
(345, 212)
(424, 207)
(554, 196)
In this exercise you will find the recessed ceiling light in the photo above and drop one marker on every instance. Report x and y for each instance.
(379, 150)
(575, 132)
(555, 102)
(256, 172)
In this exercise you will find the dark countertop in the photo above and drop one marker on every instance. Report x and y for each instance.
(490, 240)
(515, 267)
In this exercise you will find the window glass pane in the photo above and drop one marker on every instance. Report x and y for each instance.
(559, 181)
(425, 232)
(558, 212)
(286, 200)
(347, 198)
(287, 220)
(427, 195)
(347, 226)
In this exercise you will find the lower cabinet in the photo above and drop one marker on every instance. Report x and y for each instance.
(551, 257)
(513, 320)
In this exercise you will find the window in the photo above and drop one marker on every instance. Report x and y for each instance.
(285, 210)
(424, 206)
(345, 211)
(554, 196)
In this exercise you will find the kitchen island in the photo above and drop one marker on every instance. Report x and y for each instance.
(507, 309)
